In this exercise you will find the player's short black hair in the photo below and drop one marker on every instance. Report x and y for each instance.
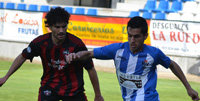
(56, 15)
(138, 22)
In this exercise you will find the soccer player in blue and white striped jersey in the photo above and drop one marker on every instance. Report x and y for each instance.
(135, 64)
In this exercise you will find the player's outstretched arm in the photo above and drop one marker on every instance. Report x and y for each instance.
(175, 68)
(19, 60)
(95, 83)
(82, 55)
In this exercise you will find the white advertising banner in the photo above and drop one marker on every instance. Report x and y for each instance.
(2, 20)
(176, 38)
(21, 26)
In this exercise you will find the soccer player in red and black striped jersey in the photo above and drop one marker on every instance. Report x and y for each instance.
(60, 81)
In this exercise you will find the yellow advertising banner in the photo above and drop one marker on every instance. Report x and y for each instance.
(98, 31)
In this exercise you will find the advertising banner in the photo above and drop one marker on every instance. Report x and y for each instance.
(176, 37)
(2, 20)
(98, 31)
(173, 37)
(21, 25)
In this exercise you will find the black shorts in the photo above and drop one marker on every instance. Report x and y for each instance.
(46, 94)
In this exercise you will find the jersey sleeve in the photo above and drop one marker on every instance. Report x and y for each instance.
(163, 59)
(106, 52)
(31, 51)
(88, 64)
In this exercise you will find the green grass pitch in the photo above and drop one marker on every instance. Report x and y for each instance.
(23, 85)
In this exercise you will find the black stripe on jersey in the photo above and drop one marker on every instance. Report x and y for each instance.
(63, 77)
(46, 68)
(48, 79)
(58, 70)
(54, 71)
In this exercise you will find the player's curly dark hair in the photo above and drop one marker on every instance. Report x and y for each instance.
(138, 22)
(56, 15)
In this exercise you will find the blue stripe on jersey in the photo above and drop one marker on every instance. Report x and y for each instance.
(123, 68)
(139, 66)
(151, 95)
(133, 97)
(124, 62)
(124, 94)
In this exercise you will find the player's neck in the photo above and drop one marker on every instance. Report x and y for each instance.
(57, 41)
(138, 50)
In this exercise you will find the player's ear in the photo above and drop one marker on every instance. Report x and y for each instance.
(50, 28)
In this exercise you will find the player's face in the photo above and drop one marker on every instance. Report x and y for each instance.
(59, 31)
(135, 39)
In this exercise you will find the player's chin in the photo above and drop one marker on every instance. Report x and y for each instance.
(61, 37)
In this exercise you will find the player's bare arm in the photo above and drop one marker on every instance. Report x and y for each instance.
(95, 83)
(82, 55)
(16, 65)
(175, 68)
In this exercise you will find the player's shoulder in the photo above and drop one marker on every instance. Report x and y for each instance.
(119, 45)
(41, 38)
(152, 49)
(74, 39)
(115, 46)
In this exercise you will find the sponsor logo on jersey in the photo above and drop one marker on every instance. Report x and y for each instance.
(146, 63)
(66, 52)
(28, 49)
(57, 64)
(130, 81)
(47, 92)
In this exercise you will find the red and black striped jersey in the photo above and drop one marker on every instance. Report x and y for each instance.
(65, 79)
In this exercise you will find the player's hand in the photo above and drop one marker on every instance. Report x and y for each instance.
(2, 81)
(193, 94)
(71, 57)
(98, 98)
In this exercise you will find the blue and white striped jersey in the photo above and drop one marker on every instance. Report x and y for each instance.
(137, 73)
